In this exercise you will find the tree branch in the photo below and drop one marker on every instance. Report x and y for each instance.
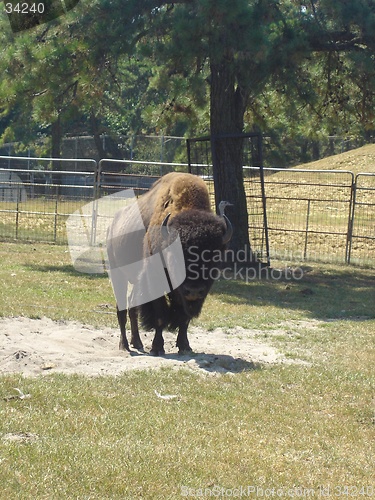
(340, 41)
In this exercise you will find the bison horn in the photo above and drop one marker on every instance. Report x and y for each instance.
(221, 207)
(164, 228)
(228, 233)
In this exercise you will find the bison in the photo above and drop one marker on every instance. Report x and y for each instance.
(175, 210)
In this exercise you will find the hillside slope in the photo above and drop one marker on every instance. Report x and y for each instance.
(356, 160)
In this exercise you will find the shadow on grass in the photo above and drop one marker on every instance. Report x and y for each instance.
(212, 363)
(323, 292)
(65, 269)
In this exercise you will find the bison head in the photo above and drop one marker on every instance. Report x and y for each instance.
(203, 238)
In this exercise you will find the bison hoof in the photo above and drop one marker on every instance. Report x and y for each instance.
(124, 347)
(138, 346)
(185, 350)
(155, 352)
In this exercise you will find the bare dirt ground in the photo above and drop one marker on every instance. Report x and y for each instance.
(40, 346)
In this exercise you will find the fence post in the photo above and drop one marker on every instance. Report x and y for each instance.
(17, 210)
(188, 155)
(55, 225)
(307, 228)
(96, 194)
(352, 203)
(264, 196)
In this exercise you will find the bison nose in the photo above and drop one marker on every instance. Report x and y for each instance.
(194, 292)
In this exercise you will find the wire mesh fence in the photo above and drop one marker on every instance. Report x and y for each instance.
(308, 213)
(254, 181)
(162, 148)
(35, 202)
(311, 215)
(362, 238)
(113, 175)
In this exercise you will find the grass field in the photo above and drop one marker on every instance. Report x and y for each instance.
(302, 429)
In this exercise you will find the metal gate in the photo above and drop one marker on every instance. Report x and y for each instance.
(362, 237)
(35, 201)
(201, 151)
(309, 213)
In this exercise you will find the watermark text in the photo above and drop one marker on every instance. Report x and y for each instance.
(251, 491)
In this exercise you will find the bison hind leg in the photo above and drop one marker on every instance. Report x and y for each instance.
(182, 340)
(157, 348)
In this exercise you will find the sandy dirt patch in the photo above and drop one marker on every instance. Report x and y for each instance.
(41, 346)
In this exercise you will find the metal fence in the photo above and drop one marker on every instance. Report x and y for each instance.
(362, 231)
(309, 214)
(35, 201)
(326, 216)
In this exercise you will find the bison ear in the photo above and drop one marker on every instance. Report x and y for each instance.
(164, 228)
(229, 231)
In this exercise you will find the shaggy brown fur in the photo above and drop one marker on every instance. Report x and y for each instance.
(172, 194)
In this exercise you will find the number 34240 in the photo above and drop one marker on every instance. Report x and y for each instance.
(24, 8)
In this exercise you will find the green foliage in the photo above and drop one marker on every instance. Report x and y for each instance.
(302, 68)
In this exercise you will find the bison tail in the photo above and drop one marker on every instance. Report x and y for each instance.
(153, 314)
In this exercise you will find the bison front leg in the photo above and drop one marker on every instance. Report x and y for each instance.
(135, 341)
(121, 316)
(182, 340)
(157, 348)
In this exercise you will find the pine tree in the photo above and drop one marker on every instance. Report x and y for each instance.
(244, 57)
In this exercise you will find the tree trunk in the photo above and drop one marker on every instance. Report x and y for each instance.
(56, 151)
(228, 104)
(97, 139)
(315, 150)
(56, 142)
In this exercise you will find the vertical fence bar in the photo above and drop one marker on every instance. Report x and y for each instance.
(17, 210)
(307, 228)
(265, 221)
(55, 217)
(94, 219)
(96, 196)
(188, 149)
(264, 198)
(352, 203)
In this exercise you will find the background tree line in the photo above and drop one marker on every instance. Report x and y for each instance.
(296, 70)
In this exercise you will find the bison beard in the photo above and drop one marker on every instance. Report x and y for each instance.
(177, 205)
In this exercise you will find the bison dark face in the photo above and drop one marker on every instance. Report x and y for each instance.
(203, 239)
